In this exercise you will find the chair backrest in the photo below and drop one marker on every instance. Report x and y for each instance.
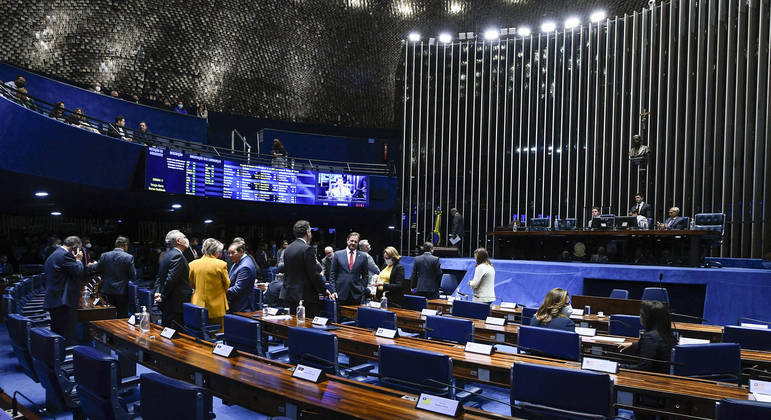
(313, 348)
(718, 361)
(550, 342)
(540, 223)
(374, 318)
(195, 317)
(411, 370)
(48, 350)
(448, 284)
(619, 294)
(748, 338)
(626, 325)
(243, 333)
(742, 409)
(539, 389)
(329, 310)
(18, 330)
(449, 329)
(468, 309)
(709, 221)
(656, 293)
(414, 303)
(565, 224)
(527, 314)
(133, 298)
(164, 398)
(144, 298)
(97, 376)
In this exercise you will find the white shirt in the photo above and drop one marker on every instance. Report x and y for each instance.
(483, 283)
(642, 222)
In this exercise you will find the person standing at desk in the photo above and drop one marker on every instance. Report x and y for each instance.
(117, 270)
(674, 221)
(455, 235)
(302, 280)
(483, 283)
(555, 311)
(172, 286)
(643, 208)
(349, 274)
(209, 278)
(242, 276)
(426, 273)
(392, 282)
(657, 340)
(64, 270)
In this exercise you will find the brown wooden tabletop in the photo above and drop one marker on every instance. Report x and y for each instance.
(237, 379)
(608, 233)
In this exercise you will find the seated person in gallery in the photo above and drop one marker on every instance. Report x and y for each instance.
(674, 221)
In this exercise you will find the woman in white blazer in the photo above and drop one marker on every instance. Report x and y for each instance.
(483, 283)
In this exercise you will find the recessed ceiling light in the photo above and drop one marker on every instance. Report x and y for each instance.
(523, 31)
(414, 36)
(444, 37)
(176, 206)
(548, 26)
(41, 194)
(56, 213)
(207, 221)
(572, 22)
(597, 16)
(491, 34)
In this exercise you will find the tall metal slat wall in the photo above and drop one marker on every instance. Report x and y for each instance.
(540, 126)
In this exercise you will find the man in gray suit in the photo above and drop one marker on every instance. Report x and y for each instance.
(456, 228)
(349, 274)
(117, 270)
(426, 273)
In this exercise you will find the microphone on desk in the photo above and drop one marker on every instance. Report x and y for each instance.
(698, 318)
(761, 373)
(754, 320)
(316, 359)
(616, 355)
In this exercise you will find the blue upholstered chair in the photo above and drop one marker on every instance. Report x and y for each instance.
(550, 342)
(709, 221)
(18, 329)
(411, 370)
(48, 353)
(626, 325)
(565, 224)
(748, 338)
(414, 303)
(448, 284)
(99, 385)
(528, 314)
(133, 298)
(314, 348)
(164, 398)
(329, 310)
(619, 294)
(196, 320)
(256, 299)
(717, 361)
(742, 409)
(243, 333)
(466, 309)
(449, 329)
(144, 298)
(572, 393)
(373, 318)
(656, 293)
(539, 223)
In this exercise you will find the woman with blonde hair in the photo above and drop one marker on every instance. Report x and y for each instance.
(555, 311)
(392, 282)
(209, 278)
(483, 283)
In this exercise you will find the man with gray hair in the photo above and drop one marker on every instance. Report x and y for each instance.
(64, 271)
(172, 285)
(674, 221)
(371, 266)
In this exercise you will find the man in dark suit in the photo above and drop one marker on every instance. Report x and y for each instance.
(326, 263)
(117, 270)
(456, 228)
(349, 274)
(172, 286)
(302, 280)
(64, 271)
(426, 273)
(242, 276)
(674, 221)
(642, 208)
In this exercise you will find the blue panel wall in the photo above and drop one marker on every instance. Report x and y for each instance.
(34, 144)
(105, 108)
(731, 292)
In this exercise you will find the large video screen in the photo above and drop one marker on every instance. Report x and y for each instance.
(182, 173)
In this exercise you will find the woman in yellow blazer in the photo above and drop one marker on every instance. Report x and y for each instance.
(209, 278)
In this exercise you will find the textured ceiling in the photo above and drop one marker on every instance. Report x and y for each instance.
(323, 61)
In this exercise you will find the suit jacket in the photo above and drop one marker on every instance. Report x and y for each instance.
(272, 295)
(650, 346)
(173, 281)
(397, 284)
(117, 269)
(63, 275)
(302, 280)
(326, 263)
(209, 278)
(349, 282)
(242, 276)
(426, 273)
(677, 223)
(558, 323)
(644, 211)
(456, 225)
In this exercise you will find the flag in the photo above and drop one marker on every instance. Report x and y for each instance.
(437, 225)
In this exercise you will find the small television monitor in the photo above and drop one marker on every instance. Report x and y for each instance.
(626, 222)
(602, 223)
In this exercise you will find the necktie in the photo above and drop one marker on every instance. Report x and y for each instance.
(350, 261)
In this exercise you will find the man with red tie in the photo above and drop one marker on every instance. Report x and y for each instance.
(349, 274)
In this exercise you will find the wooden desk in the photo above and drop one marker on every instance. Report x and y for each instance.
(257, 383)
(96, 313)
(686, 396)
(512, 315)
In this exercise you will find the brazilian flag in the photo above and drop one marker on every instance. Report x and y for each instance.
(437, 225)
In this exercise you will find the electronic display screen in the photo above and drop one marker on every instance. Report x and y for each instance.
(182, 173)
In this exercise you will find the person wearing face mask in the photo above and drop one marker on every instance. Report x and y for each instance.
(555, 311)
(96, 87)
(392, 282)
(172, 285)
(180, 109)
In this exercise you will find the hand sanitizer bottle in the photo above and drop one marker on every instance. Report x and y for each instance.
(300, 313)
(144, 322)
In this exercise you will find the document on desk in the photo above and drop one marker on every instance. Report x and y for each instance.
(277, 317)
(606, 339)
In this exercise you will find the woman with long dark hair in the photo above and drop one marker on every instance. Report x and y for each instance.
(657, 340)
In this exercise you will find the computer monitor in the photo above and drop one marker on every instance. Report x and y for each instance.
(626, 222)
(602, 223)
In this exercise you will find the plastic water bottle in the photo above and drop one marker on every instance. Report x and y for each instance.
(301, 313)
(86, 298)
(384, 303)
(144, 321)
